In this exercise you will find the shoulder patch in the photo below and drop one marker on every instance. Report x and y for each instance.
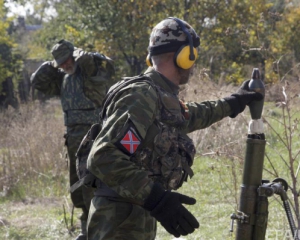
(130, 140)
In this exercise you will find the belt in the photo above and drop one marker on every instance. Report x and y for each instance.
(104, 191)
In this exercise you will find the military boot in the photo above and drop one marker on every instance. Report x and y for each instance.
(83, 234)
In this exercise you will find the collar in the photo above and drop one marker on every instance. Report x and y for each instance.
(160, 80)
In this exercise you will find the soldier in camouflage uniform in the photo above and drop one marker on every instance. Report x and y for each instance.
(81, 79)
(143, 153)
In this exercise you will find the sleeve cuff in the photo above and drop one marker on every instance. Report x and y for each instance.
(155, 196)
(234, 104)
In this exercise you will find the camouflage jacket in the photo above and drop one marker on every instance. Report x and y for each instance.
(122, 155)
(81, 93)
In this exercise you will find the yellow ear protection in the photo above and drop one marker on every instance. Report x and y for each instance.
(149, 61)
(186, 55)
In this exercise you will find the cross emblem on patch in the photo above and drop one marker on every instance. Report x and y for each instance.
(130, 142)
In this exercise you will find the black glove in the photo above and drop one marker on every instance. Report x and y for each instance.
(241, 98)
(166, 207)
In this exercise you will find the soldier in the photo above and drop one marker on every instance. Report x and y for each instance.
(81, 79)
(143, 153)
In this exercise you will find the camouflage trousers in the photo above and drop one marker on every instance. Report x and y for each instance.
(81, 197)
(115, 220)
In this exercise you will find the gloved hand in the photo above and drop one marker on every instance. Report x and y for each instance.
(243, 97)
(166, 207)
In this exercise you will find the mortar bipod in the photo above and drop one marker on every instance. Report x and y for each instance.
(277, 186)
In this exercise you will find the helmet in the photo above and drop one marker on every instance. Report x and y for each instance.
(174, 35)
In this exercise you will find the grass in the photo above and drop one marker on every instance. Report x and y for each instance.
(34, 198)
(44, 218)
(35, 219)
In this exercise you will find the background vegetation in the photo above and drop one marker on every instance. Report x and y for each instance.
(235, 37)
(234, 34)
(34, 198)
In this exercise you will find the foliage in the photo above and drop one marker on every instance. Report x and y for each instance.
(286, 50)
(283, 142)
(34, 175)
(8, 62)
(235, 36)
(224, 142)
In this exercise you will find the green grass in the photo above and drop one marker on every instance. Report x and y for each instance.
(43, 218)
(35, 219)
(34, 198)
(216, 202)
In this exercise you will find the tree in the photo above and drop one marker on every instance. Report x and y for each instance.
(9, 61)
(235, 35)
(286, 48)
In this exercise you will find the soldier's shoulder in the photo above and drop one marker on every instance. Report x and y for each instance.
(133, 89)
(142, 84)
(138, 82)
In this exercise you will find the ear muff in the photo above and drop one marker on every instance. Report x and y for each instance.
(182, 57)
(186, 55)
(149, 61)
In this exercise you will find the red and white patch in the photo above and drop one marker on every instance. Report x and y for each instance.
(130, 142)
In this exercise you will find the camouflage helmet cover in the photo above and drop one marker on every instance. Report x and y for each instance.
(168, 36)
(61, 51)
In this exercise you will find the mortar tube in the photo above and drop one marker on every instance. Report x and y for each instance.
(252, 178)
(253, 168)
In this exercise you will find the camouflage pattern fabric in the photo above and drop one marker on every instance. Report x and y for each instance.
(124, 152)
(61, 51)
(98, 71)
(168, 36)
(111, 220)
(169, 160)
(77, 108)
(86, 178)
(82, 91)
(48, 79)
(81, 95)
(82, 196)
